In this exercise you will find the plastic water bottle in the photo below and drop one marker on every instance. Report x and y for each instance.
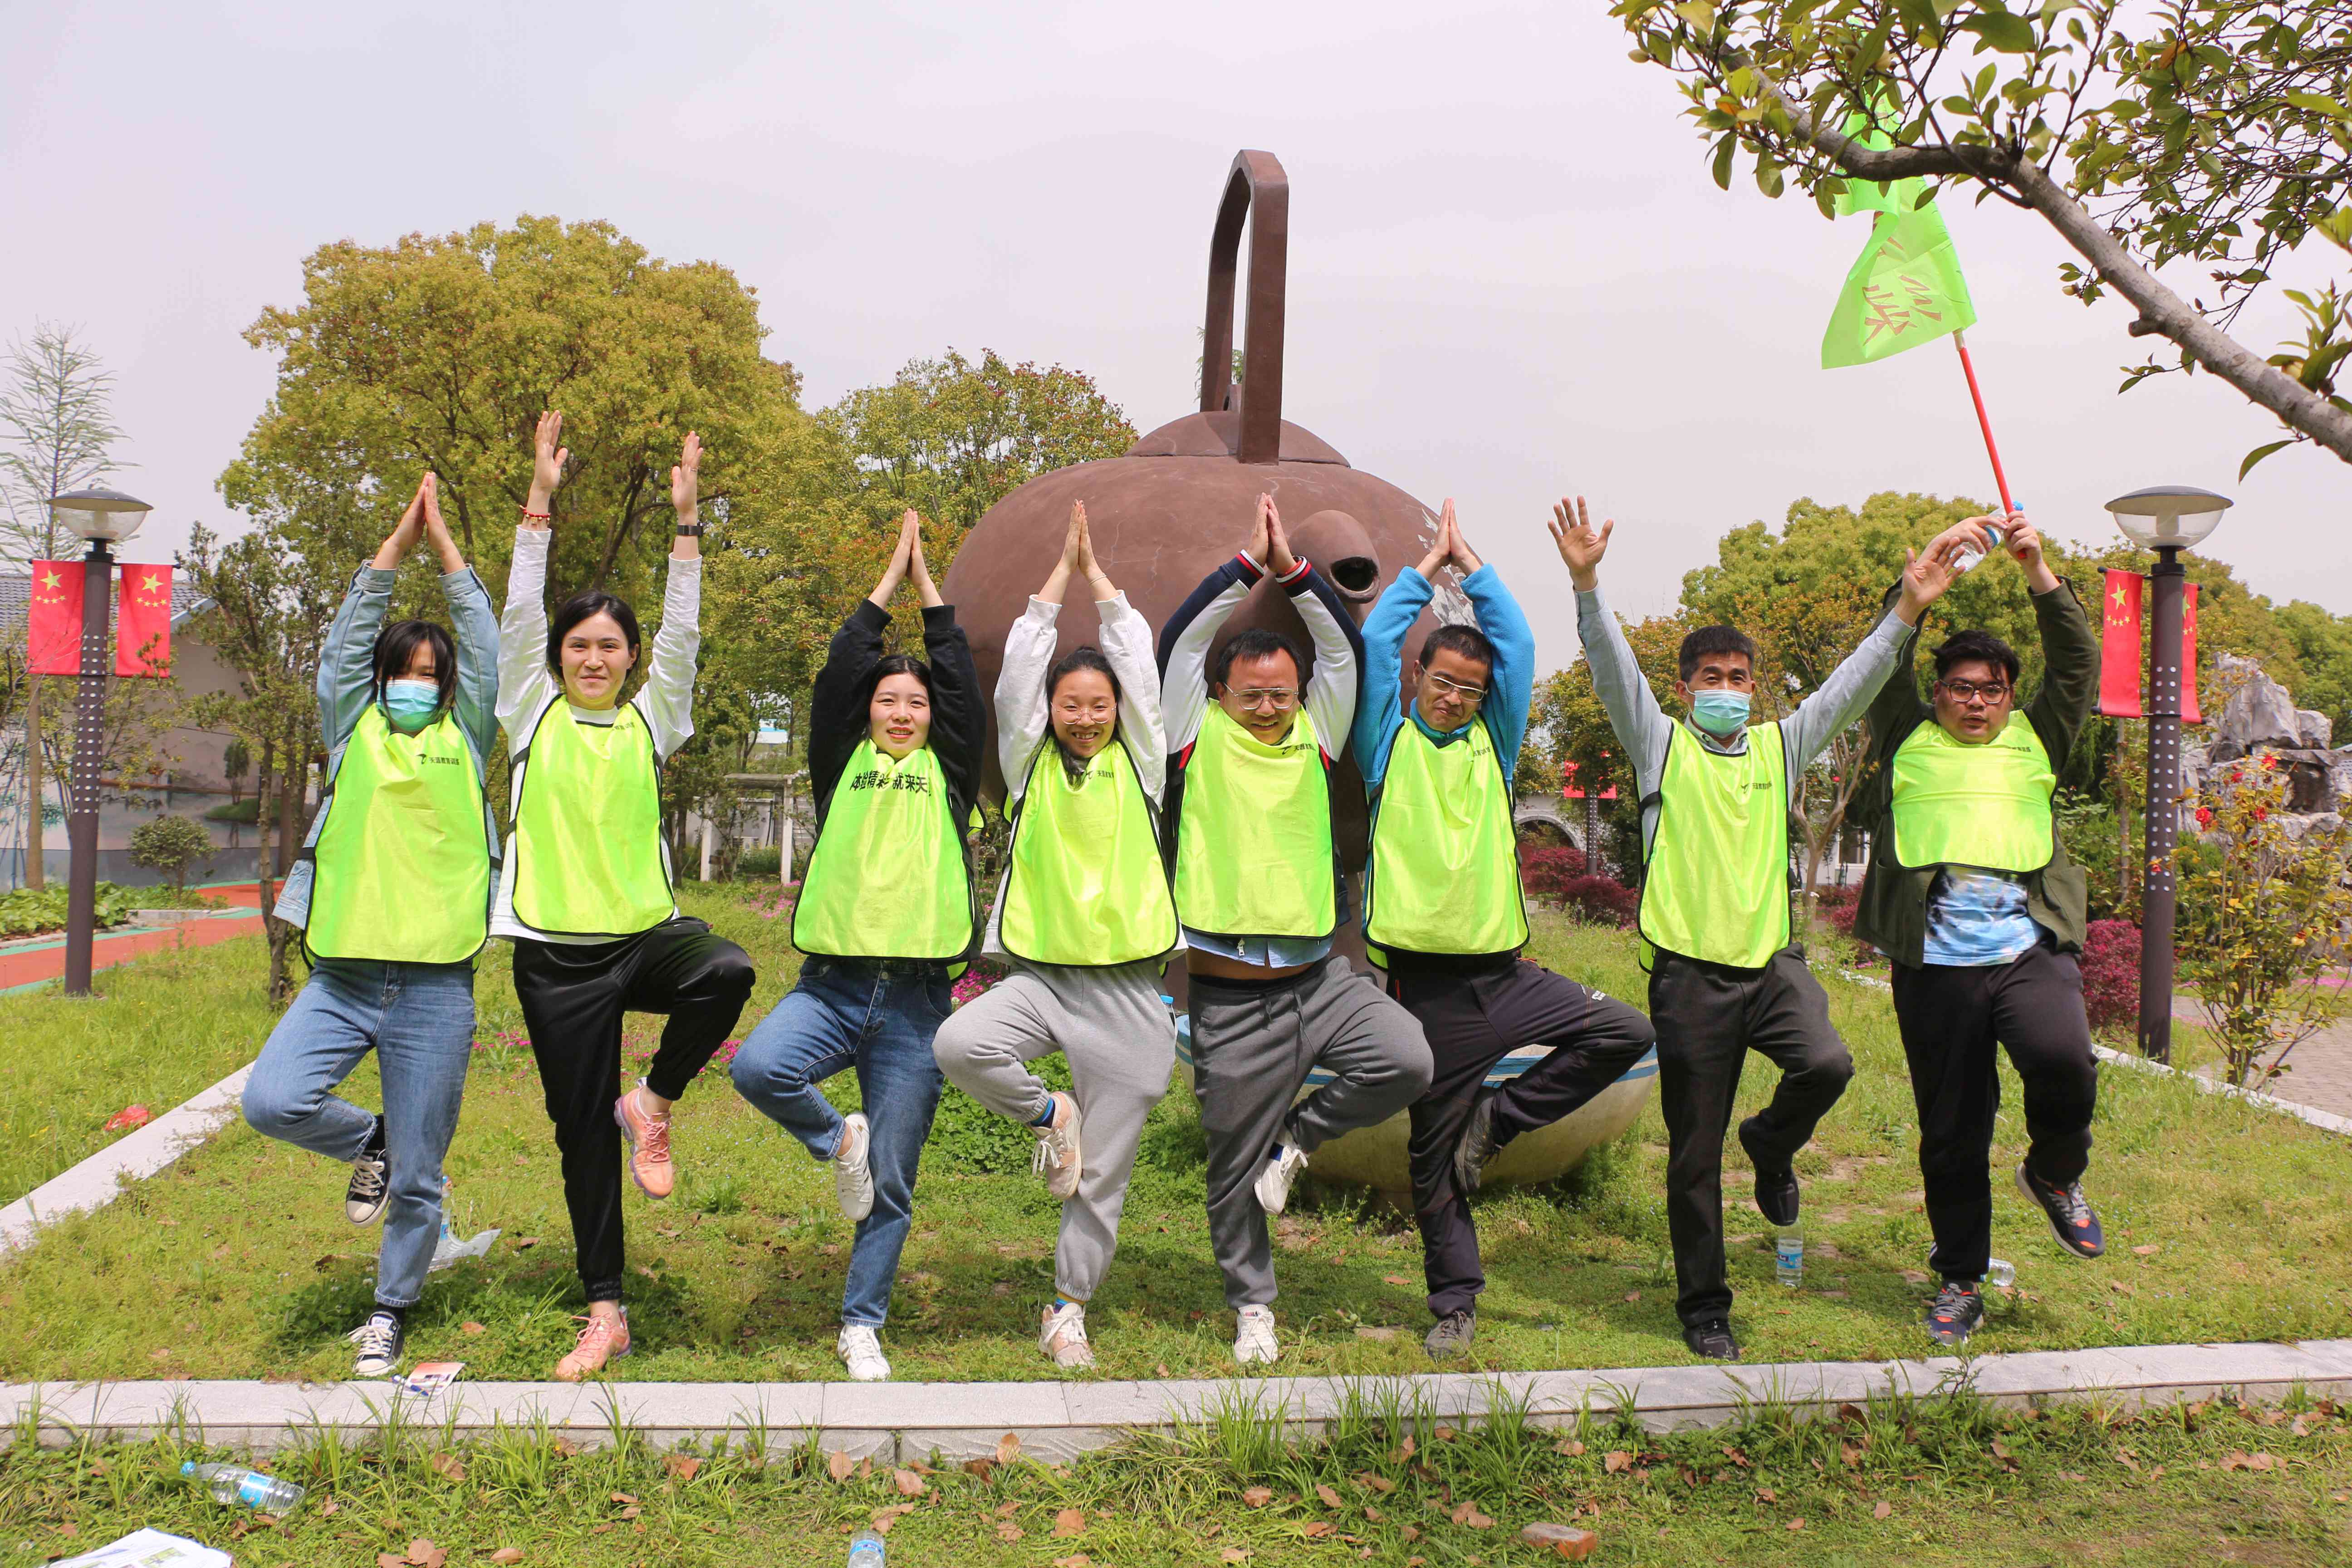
(1969, 558)
(867, 1549)
(235, 1484)
(1789, 1256)
(2000, 1273)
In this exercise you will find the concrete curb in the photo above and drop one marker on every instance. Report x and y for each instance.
(2327, 1120)
(98, 1181)
(903, 1422)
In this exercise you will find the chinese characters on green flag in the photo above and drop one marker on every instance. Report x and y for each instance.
(1905, 290)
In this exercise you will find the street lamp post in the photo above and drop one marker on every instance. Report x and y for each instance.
(2166, 519)
(104, 519)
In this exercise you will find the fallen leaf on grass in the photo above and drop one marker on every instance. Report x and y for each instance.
(525, 1243)
(1568, 1446)
(1632, 1295)
(1395, 1280)
(1232, 1554)
(2236, 1460)
(1444, 1434)
(1736, 1456)
(507, 1554)
(1076, 1560)
(1467, 1513)
(1330, 1497)
(1008, 1447)
(1850, 1456)
(423, 1553)
(632, 1512)
(682, 1468)
(1616, 1459)
(883, 1518)
(1316, 1527)
(1796, 1524)
(1161, 1369)
(2150, 1250)
(1379, 1484)
(1409, 1532)
(1373, 1514)
(1070, 1521)
(1257, 1497)
(449, 1464)
(908, 1483)
(1008, 1509)
(1882, 1510)
(1010, 1531)
(1766, 1494)
(839, 1465)
(473, 1329)
(1402, 1452)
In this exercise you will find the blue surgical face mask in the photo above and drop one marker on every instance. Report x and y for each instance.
(1720, 713)
(410, 704)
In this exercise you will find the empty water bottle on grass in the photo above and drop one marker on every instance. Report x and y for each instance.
(234, 1484)
(2000, 1273)
(867, 1549)
(1789, 1256)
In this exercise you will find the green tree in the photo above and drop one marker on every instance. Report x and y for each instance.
(2214, 133)
(172, 845)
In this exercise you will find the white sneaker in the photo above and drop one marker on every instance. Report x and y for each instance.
(861, 1353)
(1254, 1337)
(379, 1340)
(1274, 1182)
(853, 1178)
(1058, 1150)
(1063, 1336)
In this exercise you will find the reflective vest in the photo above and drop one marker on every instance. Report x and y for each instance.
(587, 840)
(1444, 864)
(1715, 885)
(1988, 806)
(401, 871)
(1086, 884)
(886, 877)
(1253, 843)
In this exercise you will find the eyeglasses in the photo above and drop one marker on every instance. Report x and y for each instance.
(1281, 699)
(1471, 695)
(1965, 692)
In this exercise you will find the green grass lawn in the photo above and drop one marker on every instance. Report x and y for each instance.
(2226, 1223)
(1931, 1483)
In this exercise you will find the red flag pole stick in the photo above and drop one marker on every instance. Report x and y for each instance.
(1960, 342)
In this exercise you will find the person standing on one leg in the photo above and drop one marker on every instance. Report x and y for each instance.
(585, 896)
(393, 891)
(1257, 892)
(1971, 895)
(1725, 976)
(1084, 917)
(1444, 915)
(894, 753)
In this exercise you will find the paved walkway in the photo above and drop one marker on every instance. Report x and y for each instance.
(2319, 1070)
(42, 959)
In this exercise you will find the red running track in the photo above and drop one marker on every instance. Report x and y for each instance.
(44, 958)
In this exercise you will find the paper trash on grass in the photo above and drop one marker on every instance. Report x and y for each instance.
(430, 1377)
(151, 1548)
(451, 1250)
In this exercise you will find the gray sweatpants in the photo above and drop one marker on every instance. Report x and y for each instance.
(1254, 1045)
(1113, 1029)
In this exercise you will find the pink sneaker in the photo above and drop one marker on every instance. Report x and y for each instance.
(602, 1340)
(649, 1162)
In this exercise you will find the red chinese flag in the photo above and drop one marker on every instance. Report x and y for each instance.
(2119, 645)
(143, 624)
(53, 625)
(2189, 714)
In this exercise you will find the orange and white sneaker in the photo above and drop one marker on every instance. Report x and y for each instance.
(650, 1165)
(602, 1340)
(1058, 1158)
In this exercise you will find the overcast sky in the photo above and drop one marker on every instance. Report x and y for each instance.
(1510, 273)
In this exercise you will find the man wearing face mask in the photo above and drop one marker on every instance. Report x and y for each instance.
(1725, 976)
(1971, 895)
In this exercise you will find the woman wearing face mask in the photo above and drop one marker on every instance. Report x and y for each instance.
(885, 906)
(1085, 919)
(393, 892)
(585, 896)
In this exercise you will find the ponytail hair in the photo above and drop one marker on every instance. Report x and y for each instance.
(1085, 655)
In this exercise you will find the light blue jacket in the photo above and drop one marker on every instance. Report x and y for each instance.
(347, 689)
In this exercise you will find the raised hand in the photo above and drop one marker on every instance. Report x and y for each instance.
(1261, 533)
(896, 573)
(1097, 578)
(912, 526)
(403, 535)
(1580, 544)
(2025, 546)
(1927, 573)
(1278, 559)
(436, 530)
(1441, 548)
(548, 456)
(686, 480)
(1466, 560)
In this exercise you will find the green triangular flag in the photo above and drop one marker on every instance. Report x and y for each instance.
(1868, 196)
(1905, 290)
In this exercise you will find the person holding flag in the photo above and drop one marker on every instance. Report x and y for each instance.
(1971, 893)
(1258, 879)
(1444, 915)
(886, 908)
(1726, 976)
(1084, 918)
(393, 892)
(586, 895)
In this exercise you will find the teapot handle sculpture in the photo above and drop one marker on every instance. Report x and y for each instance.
(1258, 188)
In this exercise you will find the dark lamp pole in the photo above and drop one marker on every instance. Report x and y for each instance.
(2166, 519)
(104, 519)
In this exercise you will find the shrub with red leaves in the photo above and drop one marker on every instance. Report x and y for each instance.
(1546, 871)
(2110, 960)
(1599, 901)
(1838, 906)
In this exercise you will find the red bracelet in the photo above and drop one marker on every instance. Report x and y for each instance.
(539, 516)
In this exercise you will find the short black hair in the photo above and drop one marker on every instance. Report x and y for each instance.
(1469, 641)
(899, 664)
(1256, 642)
(581, 606)
(397, 642)
(1977, 646)
(1085, 655)
(1715, 639)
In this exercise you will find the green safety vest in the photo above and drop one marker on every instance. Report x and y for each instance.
(886, 877)
(1253, 843)
(587, 839)
(1444, 864)
(1086, 884)
(1715, 885)
(400, 873)
(1988, 805)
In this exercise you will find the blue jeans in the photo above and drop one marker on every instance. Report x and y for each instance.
(878, 1017)
(418, 1018)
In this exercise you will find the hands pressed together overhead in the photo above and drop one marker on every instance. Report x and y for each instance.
(421, 518)
(1449, 547)
(1077, 557)
(1268, 545)
(906, 560)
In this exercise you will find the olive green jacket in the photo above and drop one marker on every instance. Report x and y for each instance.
(1892, 914)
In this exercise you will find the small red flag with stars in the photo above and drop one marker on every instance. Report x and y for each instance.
(2120, 648)
(53, 624)
(142, 624)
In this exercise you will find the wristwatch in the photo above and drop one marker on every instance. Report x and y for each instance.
(685, 528)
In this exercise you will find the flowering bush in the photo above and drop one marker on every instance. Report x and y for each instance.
(1838, 906)
(979, 977)
(1599, 900)
(2110, 961)
(1546, 870)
